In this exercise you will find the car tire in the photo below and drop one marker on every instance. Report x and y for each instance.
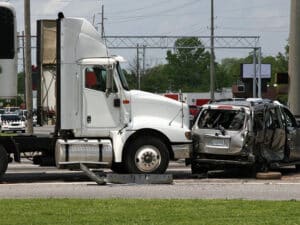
(3, 161)
(147, 154)
(269, 175)
(297, 167)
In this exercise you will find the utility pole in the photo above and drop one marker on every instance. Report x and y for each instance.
(138, 74)
(144, 60)
(28, 78)
(294, 58)
(23, 54)
(259, 73)
(102, 22)
(212, 55)
(254, 74)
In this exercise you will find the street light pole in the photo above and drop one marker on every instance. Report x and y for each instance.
(212, 55)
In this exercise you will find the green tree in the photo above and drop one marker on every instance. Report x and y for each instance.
(21, 83)
(188, 68)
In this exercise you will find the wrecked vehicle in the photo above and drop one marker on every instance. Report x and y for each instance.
(255, 133)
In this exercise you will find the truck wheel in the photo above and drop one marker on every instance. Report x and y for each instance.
(3, 161)
(147, 154)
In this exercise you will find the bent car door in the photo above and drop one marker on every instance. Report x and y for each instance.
(293, 135)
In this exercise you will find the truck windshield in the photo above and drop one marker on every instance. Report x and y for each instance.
(122, 77)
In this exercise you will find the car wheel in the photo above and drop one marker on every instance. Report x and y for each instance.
(3, 161)
(297, 167)
(147, 154)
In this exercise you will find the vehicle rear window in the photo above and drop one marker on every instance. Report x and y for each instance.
(227, 119)
(10, 117)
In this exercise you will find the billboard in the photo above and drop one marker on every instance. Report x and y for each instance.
(247, 71)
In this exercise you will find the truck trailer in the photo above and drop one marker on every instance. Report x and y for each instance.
(99, 121)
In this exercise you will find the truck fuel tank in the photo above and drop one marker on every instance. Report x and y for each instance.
(69, 153)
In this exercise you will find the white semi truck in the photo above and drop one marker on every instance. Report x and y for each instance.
(99, 121)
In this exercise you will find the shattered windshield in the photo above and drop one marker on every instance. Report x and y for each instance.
(227, 119)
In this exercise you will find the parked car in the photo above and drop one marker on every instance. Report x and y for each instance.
(12, 122)
(255, 133)
(23, 114)
(2, 111)
(13, 109)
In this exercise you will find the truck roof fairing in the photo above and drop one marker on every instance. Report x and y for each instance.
(80, 40)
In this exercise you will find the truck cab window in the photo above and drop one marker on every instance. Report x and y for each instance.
(122, 77)
(95, 78)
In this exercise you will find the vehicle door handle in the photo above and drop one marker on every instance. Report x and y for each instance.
(88, 119)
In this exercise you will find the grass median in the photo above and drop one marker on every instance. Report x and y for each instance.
(133, 211)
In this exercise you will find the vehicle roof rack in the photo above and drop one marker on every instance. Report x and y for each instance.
(241, 101)
(227, 100)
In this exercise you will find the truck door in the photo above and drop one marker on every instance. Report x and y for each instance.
(293, 135)
(101, 110)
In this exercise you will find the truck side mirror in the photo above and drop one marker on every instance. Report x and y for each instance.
(109, 81)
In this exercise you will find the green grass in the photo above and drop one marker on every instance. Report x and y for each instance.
(7, 134)
(132, 211)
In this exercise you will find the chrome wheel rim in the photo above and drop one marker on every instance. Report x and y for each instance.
(147, 158)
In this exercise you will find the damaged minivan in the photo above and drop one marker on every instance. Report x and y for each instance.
(254, 133)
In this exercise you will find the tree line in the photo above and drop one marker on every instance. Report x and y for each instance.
(188, 69)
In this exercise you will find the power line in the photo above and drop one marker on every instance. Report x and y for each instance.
(159, 13)
(139, 9)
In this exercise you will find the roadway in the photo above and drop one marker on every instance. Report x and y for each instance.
(31, 181)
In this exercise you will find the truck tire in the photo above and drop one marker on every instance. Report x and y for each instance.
(118, 168)
(147, 154)
(3, 161)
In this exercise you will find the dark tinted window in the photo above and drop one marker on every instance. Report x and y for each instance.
(10, 117)
(95, 78)
(7, 34)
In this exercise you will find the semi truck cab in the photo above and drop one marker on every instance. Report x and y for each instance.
(99, 120)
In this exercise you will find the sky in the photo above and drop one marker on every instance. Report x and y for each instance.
(268, 19)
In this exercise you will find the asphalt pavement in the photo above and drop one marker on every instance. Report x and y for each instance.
(32, 181)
